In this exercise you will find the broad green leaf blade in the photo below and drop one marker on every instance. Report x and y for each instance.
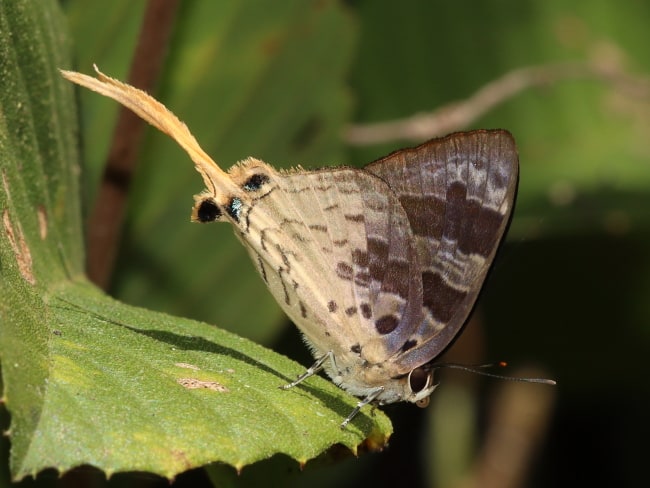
(129, 389)
(39, 141)
(40, 238)
(88, 380)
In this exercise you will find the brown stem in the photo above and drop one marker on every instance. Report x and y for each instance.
(105, 221)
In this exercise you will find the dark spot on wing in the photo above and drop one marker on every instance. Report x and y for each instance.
(386, 324)
(356, 348)
(332, 306)
(410, 344)
(366, 311)
(318, 227)
(262, 269)
(255, 182)
(360, 258)
(344, 271)
(398, 282)
(350, 311)
(377, 256)
(281, 272)
(362, 279)
(355, 218)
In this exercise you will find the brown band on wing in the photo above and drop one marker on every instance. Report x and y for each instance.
(439, 298)
(426, 214)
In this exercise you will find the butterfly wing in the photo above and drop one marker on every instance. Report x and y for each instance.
(388, 260)
(336, 249)
(458, 193)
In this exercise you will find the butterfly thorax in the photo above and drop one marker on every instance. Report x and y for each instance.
(362, 379)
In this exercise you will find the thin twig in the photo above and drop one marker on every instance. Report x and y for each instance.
(457, 115)
(105, 222)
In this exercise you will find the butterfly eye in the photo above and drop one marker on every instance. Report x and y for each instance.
(208, 211)
(419, 379)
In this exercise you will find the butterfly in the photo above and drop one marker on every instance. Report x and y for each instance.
(378, 267)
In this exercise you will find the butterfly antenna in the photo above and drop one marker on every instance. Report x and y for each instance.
(479, 369)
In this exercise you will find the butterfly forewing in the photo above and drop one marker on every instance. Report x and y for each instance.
(458, 193)
(336, 249)
(385, 262)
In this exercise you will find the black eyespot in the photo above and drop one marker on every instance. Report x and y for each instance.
(418, 379)
(356, 348)
(255, 182)
(350, 311)
(234, 208)
(208, 211)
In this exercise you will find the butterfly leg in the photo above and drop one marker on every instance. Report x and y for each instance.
(315, 368)
(370, 398)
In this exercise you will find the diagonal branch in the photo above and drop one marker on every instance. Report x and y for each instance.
(457, 115)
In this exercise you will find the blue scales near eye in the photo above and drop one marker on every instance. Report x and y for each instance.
(234, 208)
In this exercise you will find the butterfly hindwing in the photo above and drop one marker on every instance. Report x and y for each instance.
(458, 193)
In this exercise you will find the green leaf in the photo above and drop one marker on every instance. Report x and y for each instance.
(129, 389)
(90, 380)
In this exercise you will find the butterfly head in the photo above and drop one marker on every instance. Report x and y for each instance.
(421, 385)
(414, 387)
(251, 178)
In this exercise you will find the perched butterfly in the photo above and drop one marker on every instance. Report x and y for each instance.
(378, 267)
